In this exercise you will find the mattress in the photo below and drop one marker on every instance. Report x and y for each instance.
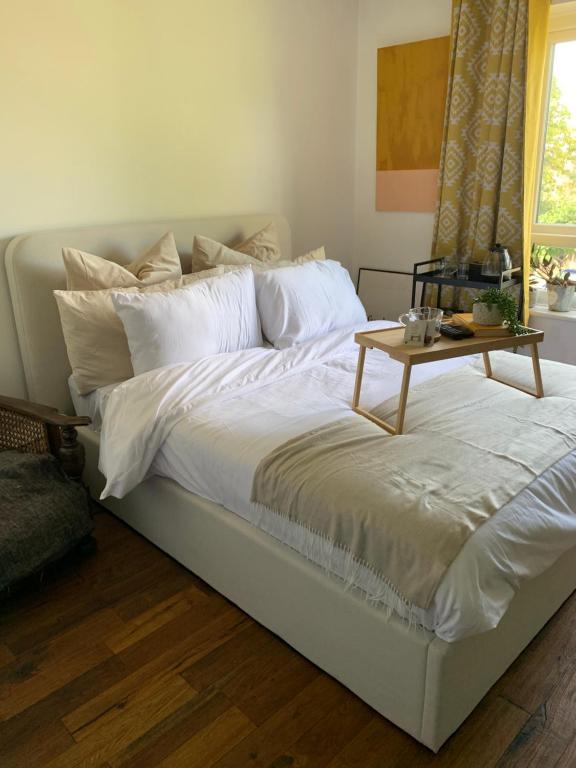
(245, 404)
(92, 404)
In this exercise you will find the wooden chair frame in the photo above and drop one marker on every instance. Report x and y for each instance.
(33, 428)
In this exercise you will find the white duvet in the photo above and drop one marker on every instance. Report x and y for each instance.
(208, 424)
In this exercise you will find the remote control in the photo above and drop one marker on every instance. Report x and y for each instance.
(455, 331)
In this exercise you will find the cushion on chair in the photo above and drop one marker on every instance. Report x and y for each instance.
(43, 514)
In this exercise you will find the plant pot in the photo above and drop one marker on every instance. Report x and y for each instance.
(560, 297)
(486, 314)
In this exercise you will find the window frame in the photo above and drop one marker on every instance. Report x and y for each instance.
(562, 29)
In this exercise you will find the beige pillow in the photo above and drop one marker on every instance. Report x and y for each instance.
(264, 245)
(86, 272)
(261, 248)
(95, 339)
(318, 254)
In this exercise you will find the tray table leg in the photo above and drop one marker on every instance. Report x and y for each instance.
(537, 371)
(487, 364)
(397, 430)
(403, 398)
(535, 366)
(359, 373)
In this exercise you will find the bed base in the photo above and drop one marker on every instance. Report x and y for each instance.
(426, 686)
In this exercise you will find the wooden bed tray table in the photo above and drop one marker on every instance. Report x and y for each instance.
(391, 340)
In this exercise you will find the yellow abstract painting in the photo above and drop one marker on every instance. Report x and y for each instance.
(412, 86)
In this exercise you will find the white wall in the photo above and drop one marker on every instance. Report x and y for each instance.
(392, 240)
(141, 109)
(559, 328)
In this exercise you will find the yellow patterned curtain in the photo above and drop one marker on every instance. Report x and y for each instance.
(481, 169)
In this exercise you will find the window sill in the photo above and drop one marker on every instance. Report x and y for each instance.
(541, 311)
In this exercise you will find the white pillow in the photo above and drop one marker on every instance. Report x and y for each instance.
(301, 302)
(95, 340)
(212, 316)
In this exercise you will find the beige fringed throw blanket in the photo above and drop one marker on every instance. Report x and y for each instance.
(404, 506)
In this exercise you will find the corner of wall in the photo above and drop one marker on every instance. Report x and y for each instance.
(388, 240)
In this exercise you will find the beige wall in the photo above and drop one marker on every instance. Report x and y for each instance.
(392, 240)
(123, 110)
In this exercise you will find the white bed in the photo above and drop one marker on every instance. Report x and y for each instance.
(411, 675)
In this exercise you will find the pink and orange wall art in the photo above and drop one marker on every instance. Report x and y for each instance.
(412, 86)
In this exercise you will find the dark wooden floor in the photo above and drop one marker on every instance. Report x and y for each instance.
(125, 658)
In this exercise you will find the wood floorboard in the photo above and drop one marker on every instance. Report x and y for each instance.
(568, 757)
(6, 655)
(279, 688)
(46, 668)
(319, 745)
(213, 741)
(124, 658)
(533, 747)
(533, 677)
(158, 743)
(143, 600)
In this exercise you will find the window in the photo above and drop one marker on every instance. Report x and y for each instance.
(557, 199)
(555, 204)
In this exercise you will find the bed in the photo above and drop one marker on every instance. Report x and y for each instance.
(421, 682)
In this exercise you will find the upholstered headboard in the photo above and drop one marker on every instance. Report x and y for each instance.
(35, 269)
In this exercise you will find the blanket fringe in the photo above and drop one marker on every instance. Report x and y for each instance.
(338, 561)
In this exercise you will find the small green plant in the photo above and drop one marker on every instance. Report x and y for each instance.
(550, 267)
(507, 306)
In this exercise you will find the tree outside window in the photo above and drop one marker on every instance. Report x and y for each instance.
(557, 200)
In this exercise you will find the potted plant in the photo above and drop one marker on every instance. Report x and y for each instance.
(558, 278)
(535, 284)
(496, 307)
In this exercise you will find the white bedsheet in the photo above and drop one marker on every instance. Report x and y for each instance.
(208, 424)
(93, 404)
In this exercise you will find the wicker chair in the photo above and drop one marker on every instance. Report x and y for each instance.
(31, 428)
(44, 509)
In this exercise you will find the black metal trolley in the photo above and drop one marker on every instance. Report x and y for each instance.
(431, 273)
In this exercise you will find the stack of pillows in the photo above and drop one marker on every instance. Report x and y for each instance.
(120, 321)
